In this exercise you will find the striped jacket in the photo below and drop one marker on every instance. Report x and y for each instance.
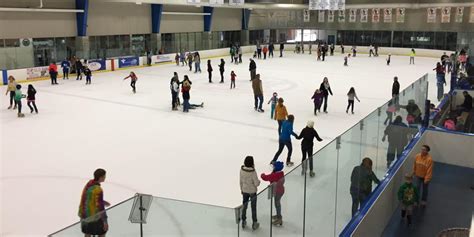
(92, 202)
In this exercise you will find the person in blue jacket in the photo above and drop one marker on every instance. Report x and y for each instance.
(65, 64)
(285, 140)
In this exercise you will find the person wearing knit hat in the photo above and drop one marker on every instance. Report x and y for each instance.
(308, 134)
(277, 180)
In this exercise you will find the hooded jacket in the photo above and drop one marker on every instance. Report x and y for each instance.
(248, 180)
(92, 202)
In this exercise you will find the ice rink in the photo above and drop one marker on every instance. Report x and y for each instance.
(145, 147)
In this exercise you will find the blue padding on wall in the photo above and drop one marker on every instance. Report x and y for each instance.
(245, 18)
(5, 77)
(81, 18)
(156, 12)
(357, 219)
(208, 18)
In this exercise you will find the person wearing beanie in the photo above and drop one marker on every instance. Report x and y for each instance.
(308, 134)
(248, 187)
(277, 180)
(285, 140)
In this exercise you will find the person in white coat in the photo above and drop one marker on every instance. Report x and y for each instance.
(248, 186)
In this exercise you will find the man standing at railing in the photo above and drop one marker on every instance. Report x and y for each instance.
(397, 133)
(92, 207)
(361, 183)
(423, 171)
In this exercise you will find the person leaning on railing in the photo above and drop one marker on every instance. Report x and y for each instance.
(249, 183)
(361, 183)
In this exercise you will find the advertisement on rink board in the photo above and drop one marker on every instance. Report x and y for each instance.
(128, 62)
(162, 59)
(36, 72)
(96, 65)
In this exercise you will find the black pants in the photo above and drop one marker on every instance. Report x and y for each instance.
(231, 58)
(308, 152)
(222, 75)
(252, 197)
(88, 80)
(190, 64)
(350, 104)
(270, 53)
(174, 99)
(264, 55)
(93, 228)
(79, 74)
(253, 73)
(324, 56)
(232, 84)
(393, 151)
(358, 199)
(281, 53)
(132, 84)
(259, 53)
(19, 105)
(280, 122)
(65, 74)
(240, 58)
(34, 106)
(12, 98)
(210, 76)
(53, 76)
(325, 101)
(282, 145)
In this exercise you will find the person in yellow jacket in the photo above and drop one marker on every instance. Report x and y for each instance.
(412, 56)
(280, 113)
(11, 89)
(423, 171)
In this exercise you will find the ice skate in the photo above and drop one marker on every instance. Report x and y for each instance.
(261, 110)
(289, 163)
(20, 115)
(9, 107)
(278, 222)
(311, 174)
(14, 107)
(244, 224)
(202, 105)
(255, 225)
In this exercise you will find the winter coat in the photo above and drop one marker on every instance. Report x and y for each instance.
(257, 86)
(221, 66)
(397, 134)
(31, 95)
(252, 66)
(408, 194)
(352, 96)
(287, 131)
(92, 202)
(53, 68)
(209, 68)
(248, 180)
(361, 180)
(317, 98)
(308, 134)
(325, 91)
(280, 112)
(12, 86)
(278, 180)
(395, 88)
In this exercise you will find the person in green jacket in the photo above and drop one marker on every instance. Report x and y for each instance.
(408, 196)
(18, 97)
(232, 53)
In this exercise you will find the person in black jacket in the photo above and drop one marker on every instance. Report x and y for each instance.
(395, 90)
(252, 69)
(361, 183)
(397, 133)
(209, 70)
(221, 69)
(271, 48)
(326, 89)
(79, 69)
(88, 74)
(308, 134)
(31, 98)
(282, 47)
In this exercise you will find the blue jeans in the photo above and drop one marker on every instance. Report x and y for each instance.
(422, 188)
(272, 112)
(252, 197)
(186, 105)
(440, 90)
(258, 104)
(277, 199)
(197, 67)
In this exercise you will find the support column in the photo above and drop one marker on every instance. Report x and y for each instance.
(83, 48)
(208, 18)
(244, 37)
(156, 12)
(155, 43)
(81, 18)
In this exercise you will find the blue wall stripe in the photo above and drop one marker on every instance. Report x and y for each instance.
(81, 18)
(5, 77)
(208, 18)
(156, 12)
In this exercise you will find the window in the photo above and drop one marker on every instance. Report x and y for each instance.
(9, 43)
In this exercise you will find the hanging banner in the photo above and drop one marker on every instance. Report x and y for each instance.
(341, 4)
(375, 15)
(352, 15)
(331, 15)
(216, 2)
(341, 15)
(236, 2)
(445, 14)
(364, 15)
(387, 15)
(306, 15)
(333, 4)
(321, 16)
(400, 15)
(471, 17)
(194, 1)
(431, 15)
(459, 14)
(327, 4)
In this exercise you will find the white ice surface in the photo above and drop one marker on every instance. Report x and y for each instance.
(145, 147)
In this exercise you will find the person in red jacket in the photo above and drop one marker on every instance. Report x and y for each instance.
(53, 73)
(277, 180)
(133, 79)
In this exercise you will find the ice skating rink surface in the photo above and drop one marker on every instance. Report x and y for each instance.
(145, 147)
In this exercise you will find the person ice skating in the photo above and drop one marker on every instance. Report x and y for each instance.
(408, 197)
(11, 90)
(190, 61)
(351, 95)
(133, 80)
(271, 48)
(176, 59)
(185, 92)
(361, 183)
(222, 69)
(414, 113)
(239, 51)
(395, 90)
(258, 93)
(317, 100)
(197, 62)
(252, 69)
(282, 47)
(376, 48)
(236, 57)
(285, 140)
(265, 51)
(326, 89)
(232, 79)
(259, 50)
(332, 50)
(342, 49)
(53, 73)
(174, 87)
(398, 135)
(66, 65)
(308, 134)
(92, 207)
(182, 58)
(354, 51)
(389, 57)
(310, 47)
(31, 98)
(209, 70)
(232, 50)
(440, 79)
(79, 68)
(412, 56)
(18, 96)
(277, 180)
(423, 172)
(318, 52)
(249, 183)
(273, 102)
(280, 113)
(346, 58)
(88, 74)
(371, 51)
(324, 50)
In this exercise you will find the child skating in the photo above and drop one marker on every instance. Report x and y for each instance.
(317, 100)
(389, 57)
(18, 97)
(176, 59)
(274, 101)
(346, 58)
(133, 79)
(408, 197)
(31, 98)
(277, 180)
(88, 74)
(232, 80)
(351, 96)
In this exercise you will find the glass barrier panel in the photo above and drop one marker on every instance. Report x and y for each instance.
(370, 141)
(264, 215)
